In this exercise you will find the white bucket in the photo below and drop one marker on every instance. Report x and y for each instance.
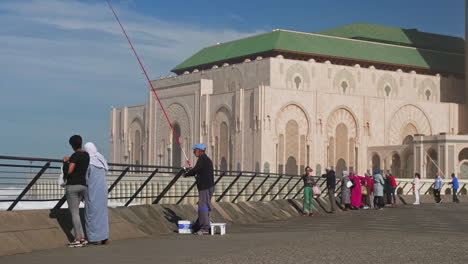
(185, 227)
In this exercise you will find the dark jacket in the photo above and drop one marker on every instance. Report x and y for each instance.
(203, 172)
(331, 179)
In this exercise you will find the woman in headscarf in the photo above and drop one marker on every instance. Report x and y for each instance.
(356, 192)
(378, 189)
(97, 223)
(345, 191)
(416, 186)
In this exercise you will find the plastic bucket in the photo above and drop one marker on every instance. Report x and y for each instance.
(185, 227)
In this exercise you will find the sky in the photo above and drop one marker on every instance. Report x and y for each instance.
(65, 63)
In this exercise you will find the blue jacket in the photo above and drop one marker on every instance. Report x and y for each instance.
(438, 183)
(455, 184)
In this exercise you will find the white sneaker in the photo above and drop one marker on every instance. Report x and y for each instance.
(415, 203)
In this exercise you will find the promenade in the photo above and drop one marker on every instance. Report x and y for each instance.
(404, 234)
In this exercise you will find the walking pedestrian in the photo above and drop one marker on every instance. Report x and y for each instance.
(203, 172)
(437, 188)
(331, 184)
(370, 190)
(96, 213)
(378, 189)
(393, 185)
(416, 185)
(309, 183)
(388, 189)
(356, 192)
(455, 187)
(75, 188)
(346, 191)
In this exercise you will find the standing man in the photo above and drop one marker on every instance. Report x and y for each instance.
(331, 183)
(203, 172)
(437, 188)
(455, 187)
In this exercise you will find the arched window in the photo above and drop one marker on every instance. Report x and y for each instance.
(223, 145)
(344, 85)
(297, 81)
(266, 167)
(137, 148)
(388, 90)
(428, 94)
(176, 151)
(375, 162)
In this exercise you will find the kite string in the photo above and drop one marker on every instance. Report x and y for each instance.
(150, 83)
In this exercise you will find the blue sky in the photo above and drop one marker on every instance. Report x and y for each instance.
(65, 63)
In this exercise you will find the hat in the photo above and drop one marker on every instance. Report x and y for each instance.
(329, 168)
(200, 146)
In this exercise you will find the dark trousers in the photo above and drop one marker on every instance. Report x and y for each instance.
(204, 208)
(455, 197)
(379, 202)
(392, 195)
(331, 198)
(437, 195)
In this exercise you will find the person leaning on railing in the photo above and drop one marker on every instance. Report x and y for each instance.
(75, 188)
(331, 183)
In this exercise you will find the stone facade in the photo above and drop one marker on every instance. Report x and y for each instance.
(279, 115)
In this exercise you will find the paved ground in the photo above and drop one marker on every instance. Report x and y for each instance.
(404, 234)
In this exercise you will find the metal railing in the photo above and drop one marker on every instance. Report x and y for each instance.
(29, 180)
(26, 181)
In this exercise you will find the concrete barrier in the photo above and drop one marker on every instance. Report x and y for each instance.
(26, 231)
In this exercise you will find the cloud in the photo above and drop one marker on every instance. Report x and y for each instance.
(68, 60)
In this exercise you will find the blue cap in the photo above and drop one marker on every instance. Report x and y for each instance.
(199, 146)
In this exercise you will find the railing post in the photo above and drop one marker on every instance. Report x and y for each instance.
(300, 191)
(31, 183)
(118, 180)
(271, 187)
(258, 188)
(193, 186)
(187, 192)
(141, 188)
(294, 187)
(229, 187)
(168, 187)
(243, 188)
(220, 177)
(282, 188)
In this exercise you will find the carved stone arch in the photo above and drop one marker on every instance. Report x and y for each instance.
(292, 112)
(136, 139)
(297, 77)
(344, 82)
(427, 90)
(407, 114)
(223, 129)
(234, 80)
(345, 116)
(387, 86)
(177, 114)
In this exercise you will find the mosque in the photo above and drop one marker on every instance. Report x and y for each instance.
(355, 97)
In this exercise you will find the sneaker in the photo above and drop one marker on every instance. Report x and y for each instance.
(311, 214)
(415, 203)
(303, 214)
(201, 233)
(75, 243)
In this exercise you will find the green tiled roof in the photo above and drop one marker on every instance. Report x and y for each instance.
(398, 36)
(323, 45)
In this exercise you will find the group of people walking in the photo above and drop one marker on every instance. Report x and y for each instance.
(84, 177)
(372, 191)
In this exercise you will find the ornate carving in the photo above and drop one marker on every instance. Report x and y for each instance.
(344, 82)
(387, 86)
(407, 114)
(428, 91)
(297, 77)
(292, 112)
(344, 116)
